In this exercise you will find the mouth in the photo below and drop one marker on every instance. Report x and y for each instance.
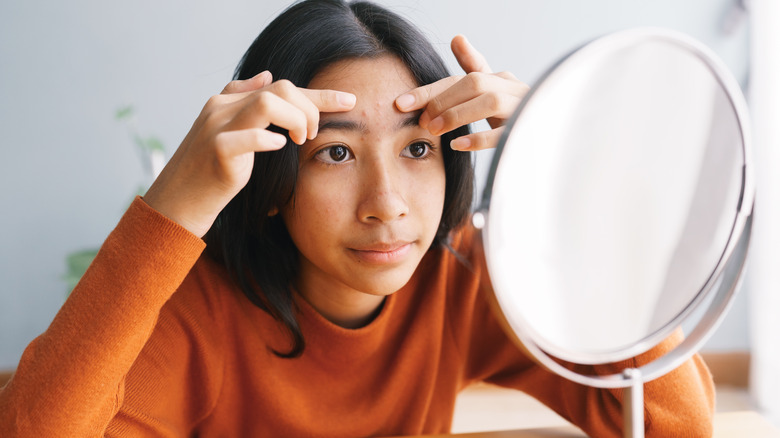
(382, 253)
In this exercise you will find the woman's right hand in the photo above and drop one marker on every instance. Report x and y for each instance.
(215, 160)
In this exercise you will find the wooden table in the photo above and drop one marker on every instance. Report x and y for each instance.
(727, 425)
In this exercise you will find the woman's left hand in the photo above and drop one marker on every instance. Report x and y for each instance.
(458, 100)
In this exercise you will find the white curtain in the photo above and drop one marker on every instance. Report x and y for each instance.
(764, 265)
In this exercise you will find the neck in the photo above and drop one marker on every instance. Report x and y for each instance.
(350, 311)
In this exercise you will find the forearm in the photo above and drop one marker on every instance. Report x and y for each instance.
(680, 403)
(70, 379)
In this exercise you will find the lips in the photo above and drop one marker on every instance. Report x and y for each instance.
(382, 253)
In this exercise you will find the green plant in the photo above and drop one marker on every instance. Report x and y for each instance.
(150, 148)
(151, 152)
(77, 264)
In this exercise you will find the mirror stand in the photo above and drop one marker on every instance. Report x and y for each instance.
(633, 404)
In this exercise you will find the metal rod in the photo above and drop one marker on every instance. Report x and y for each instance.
(633, 405)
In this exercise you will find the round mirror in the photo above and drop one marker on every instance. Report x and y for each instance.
(619, 195)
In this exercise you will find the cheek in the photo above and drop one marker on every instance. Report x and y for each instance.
(317, 205)
(428, 189)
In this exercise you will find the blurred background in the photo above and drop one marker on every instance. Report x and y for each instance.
(88, 88)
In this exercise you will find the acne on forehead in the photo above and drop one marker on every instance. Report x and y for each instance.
(349, 74)
(376, 83)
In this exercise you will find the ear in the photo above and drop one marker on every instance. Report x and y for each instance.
(273, 212)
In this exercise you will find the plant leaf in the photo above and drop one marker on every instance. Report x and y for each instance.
(154, 144)
(77, 263)
(124, 112)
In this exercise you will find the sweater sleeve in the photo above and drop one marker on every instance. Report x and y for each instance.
(681, 403)
(70, 379)
(176, 380)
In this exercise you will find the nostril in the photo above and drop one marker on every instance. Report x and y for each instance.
(383, 207)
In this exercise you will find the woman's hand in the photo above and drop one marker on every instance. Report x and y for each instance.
(458, 100)
(214, 162)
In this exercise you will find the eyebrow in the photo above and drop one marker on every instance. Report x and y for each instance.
(411, 120)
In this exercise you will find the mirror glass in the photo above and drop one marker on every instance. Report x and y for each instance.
(613, 197)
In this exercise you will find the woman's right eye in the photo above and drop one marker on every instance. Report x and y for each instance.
(334, 154)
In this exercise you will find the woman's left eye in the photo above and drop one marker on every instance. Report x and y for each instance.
(417, 149)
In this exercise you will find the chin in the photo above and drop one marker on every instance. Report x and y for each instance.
(384, 284)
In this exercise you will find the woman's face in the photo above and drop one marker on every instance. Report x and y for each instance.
(370, 189)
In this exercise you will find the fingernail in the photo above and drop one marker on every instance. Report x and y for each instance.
(436, 125)
(405, 101)
(300, 140)
(279, 140)
(347, 99)
(460, 143)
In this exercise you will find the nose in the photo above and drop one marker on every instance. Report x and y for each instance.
(383, 198)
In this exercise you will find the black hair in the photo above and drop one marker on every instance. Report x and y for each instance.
(256, 248)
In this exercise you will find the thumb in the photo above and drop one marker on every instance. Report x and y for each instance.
(468, 57)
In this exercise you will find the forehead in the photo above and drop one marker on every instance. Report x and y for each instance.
(376, 82)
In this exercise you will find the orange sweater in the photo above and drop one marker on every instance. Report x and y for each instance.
(126, 356)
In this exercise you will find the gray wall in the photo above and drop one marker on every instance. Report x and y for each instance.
(68, 169)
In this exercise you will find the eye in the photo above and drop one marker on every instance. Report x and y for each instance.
(418, 149)
(334, 154)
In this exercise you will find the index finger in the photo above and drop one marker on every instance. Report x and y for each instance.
(419, 97)
(256, 82)
(327, 101)
(330, 101)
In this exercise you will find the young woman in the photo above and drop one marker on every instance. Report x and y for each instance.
(339, 294)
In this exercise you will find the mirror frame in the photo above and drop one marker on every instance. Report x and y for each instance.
(719, 289)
